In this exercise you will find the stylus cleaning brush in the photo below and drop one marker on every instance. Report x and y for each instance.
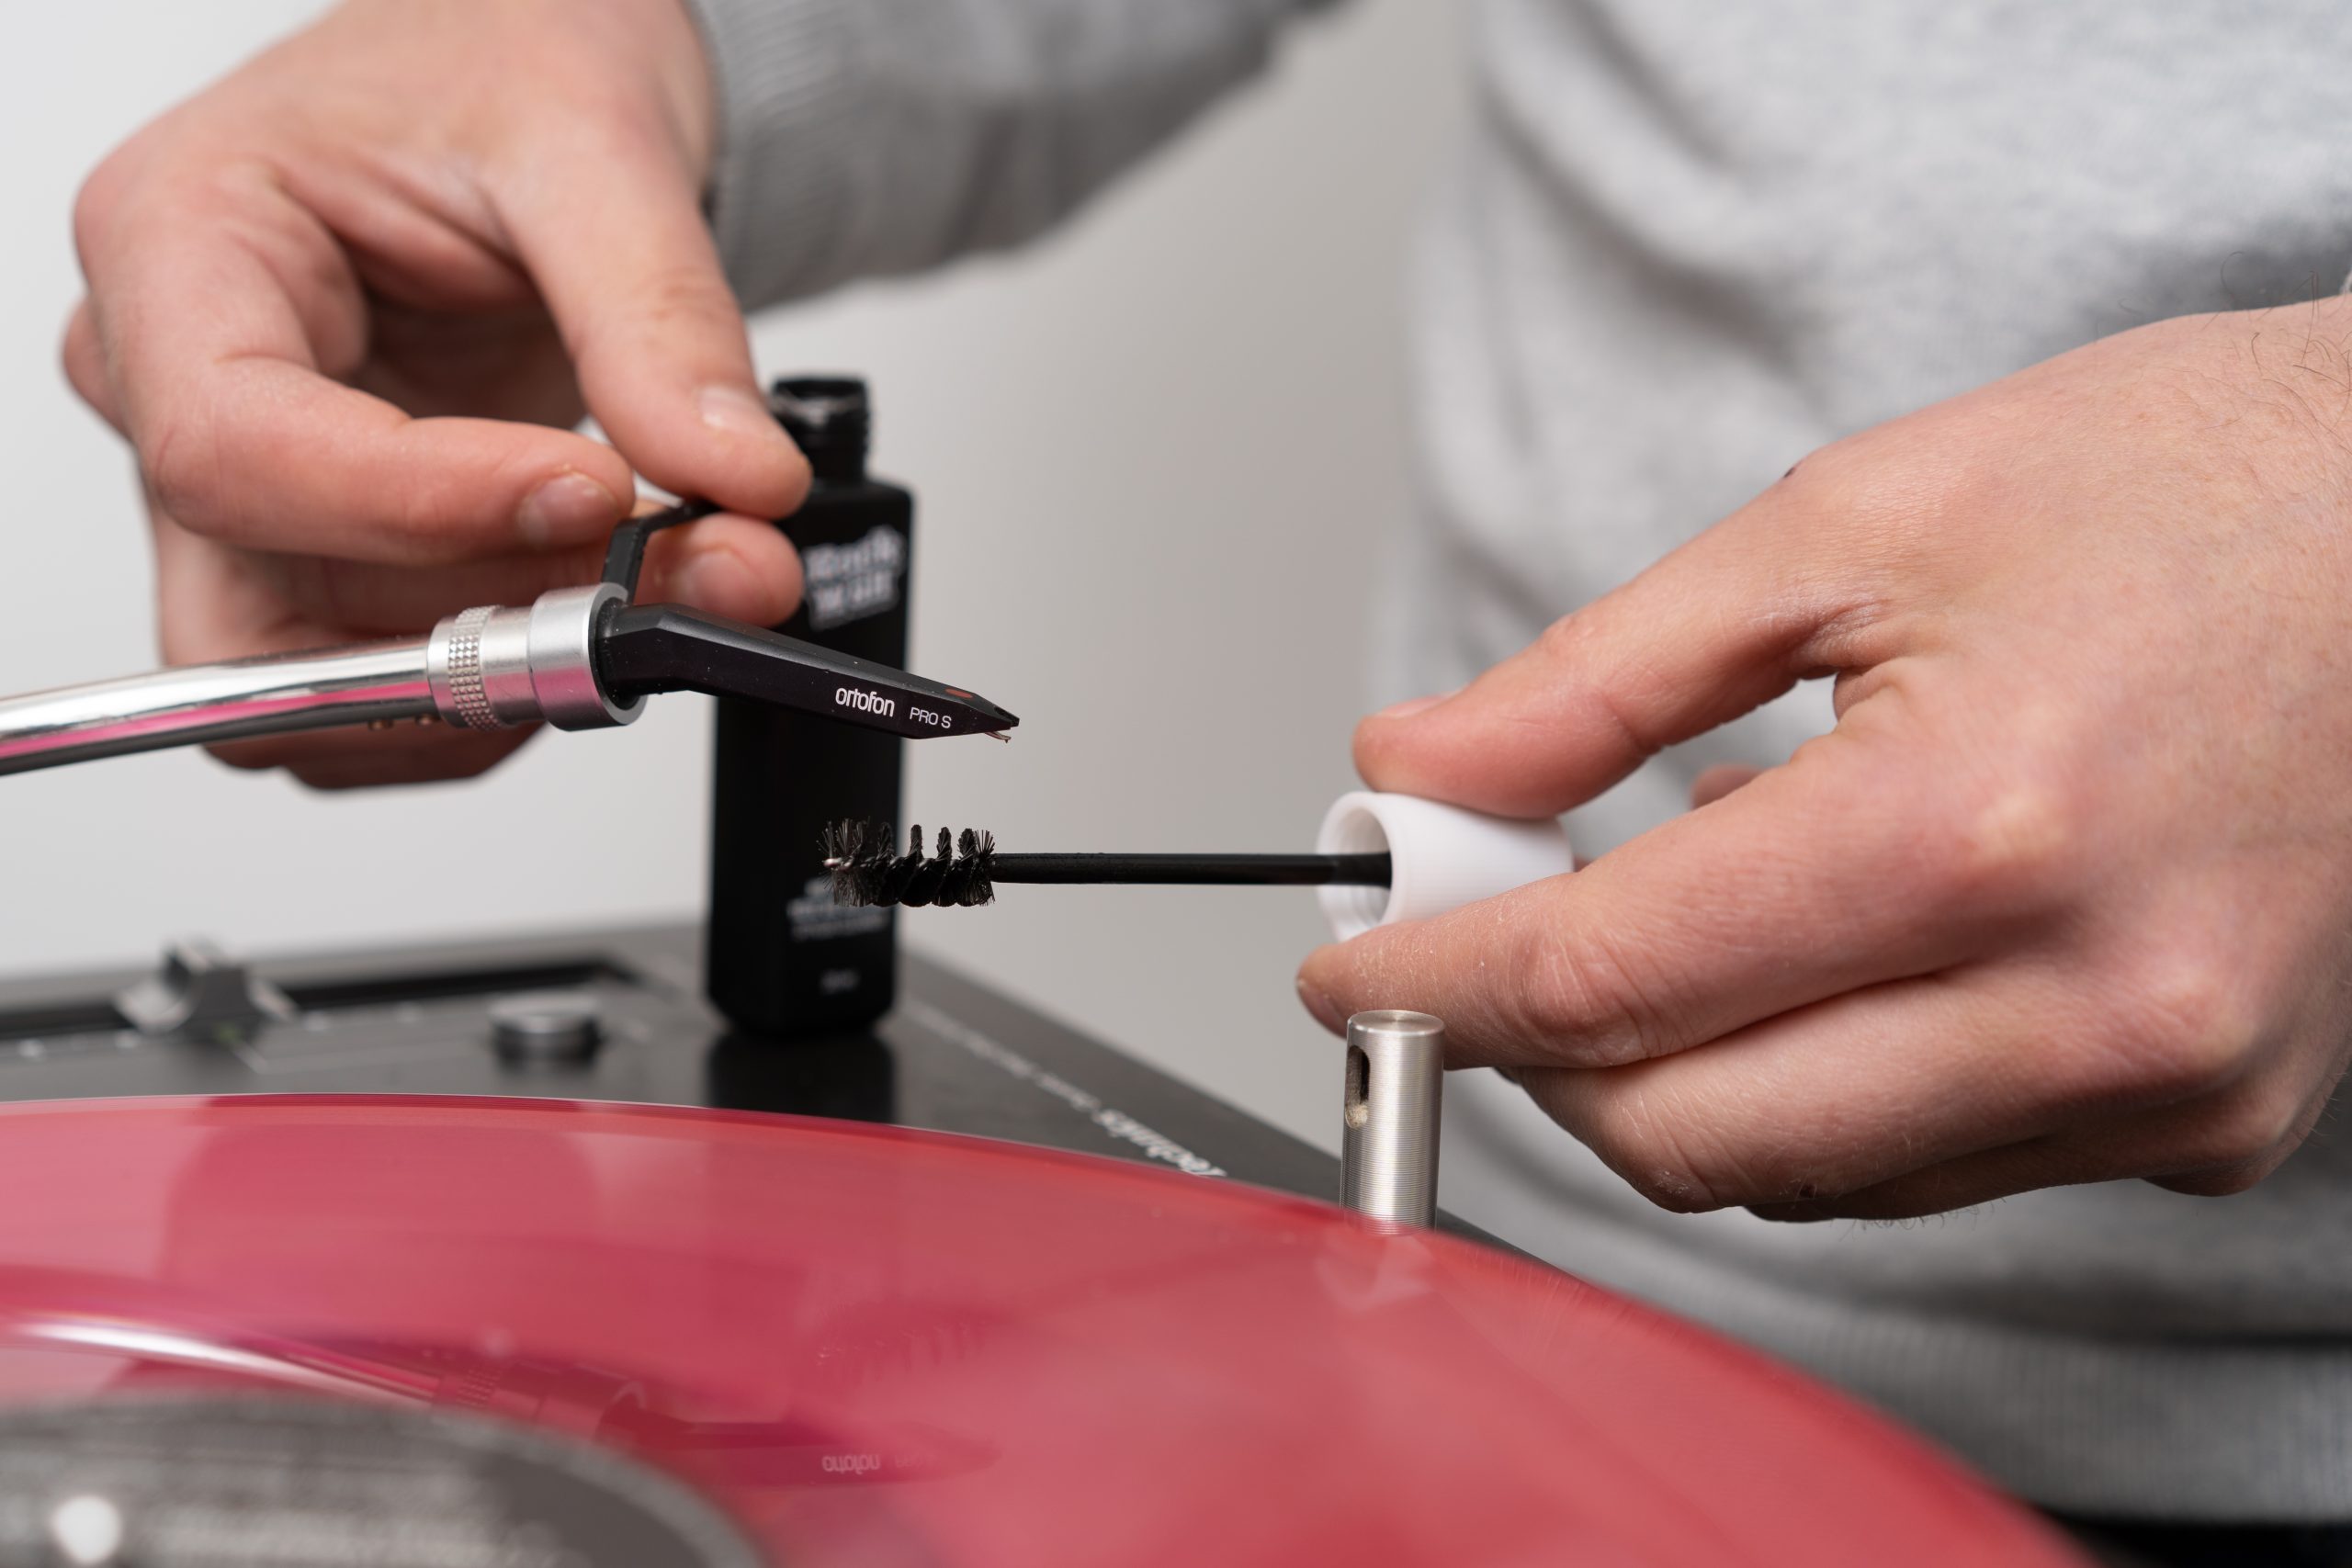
(964, 870)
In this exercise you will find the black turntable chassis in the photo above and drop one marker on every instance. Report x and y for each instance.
(955, 1056)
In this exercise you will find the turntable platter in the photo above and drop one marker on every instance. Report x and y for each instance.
(873, 1345)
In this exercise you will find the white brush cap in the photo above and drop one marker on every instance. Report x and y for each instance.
(1441, 857)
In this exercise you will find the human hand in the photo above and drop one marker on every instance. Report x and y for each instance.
(347, 302)
(2065, 896)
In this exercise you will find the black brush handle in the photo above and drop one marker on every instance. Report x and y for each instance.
(1257, 871)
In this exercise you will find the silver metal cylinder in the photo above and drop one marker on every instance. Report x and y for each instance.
(561, 645)
(493, 668)
(1394, 1088)
(202, 704)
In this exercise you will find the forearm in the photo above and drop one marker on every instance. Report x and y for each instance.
(863, 137)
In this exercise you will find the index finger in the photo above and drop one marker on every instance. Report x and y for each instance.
(1719, 627)
(222, 312)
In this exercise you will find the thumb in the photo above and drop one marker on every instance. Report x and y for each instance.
(612, 232)
(1724, 625)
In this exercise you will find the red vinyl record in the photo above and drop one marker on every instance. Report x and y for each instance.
(526, 1332)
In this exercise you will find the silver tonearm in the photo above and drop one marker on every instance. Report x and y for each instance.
(483, 669)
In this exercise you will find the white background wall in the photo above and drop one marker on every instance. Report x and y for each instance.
(1155, 457)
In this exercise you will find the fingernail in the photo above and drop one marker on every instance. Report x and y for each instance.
(736, 414)
(1319, 1003)
(1412, 705)
(565, 510)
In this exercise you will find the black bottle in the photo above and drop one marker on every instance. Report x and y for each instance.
(781, 960)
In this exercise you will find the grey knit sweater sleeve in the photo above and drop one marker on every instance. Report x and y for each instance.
(860, 136)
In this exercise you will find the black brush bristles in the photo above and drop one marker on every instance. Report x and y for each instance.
(867, 870)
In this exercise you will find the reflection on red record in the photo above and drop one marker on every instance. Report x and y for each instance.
(877, 1347)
